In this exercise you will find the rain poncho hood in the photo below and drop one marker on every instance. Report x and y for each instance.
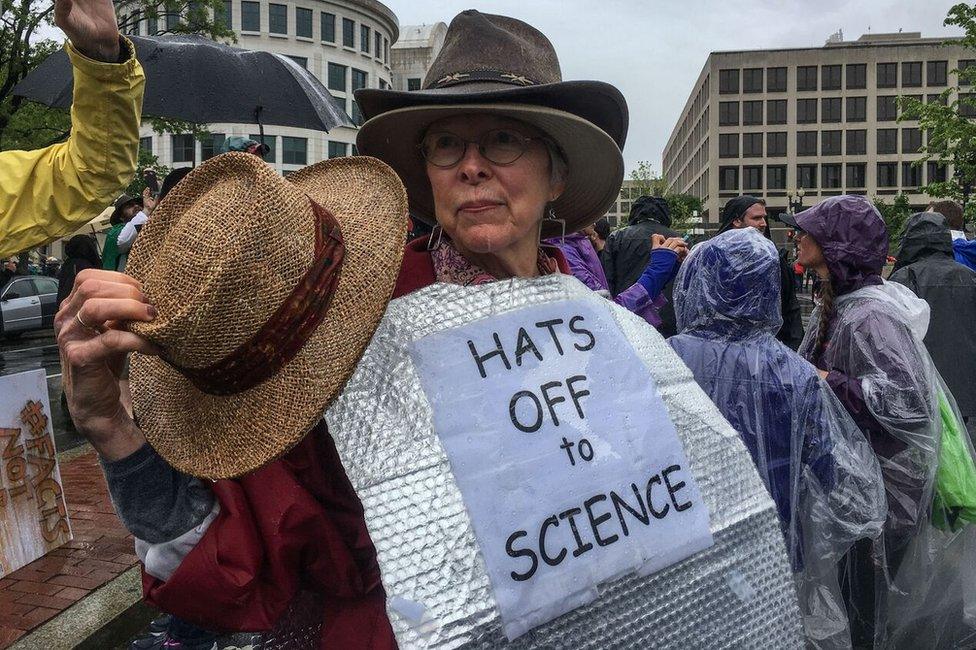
(817, 465)
(853, 237)
(647, 208)
(915, 586)
(925, 234)
(734, 209)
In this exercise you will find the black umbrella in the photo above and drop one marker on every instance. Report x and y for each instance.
(193, 78)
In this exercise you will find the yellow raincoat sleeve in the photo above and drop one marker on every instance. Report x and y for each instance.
(49, 193)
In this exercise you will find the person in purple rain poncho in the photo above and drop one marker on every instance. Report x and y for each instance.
(913, 586)
(819, 469)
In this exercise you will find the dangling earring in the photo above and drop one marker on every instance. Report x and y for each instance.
(551, 216)
(431, 244)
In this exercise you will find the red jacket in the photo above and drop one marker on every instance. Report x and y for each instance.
(293, 525)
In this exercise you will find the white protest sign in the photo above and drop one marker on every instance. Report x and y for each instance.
(567, 461)
(33, 516)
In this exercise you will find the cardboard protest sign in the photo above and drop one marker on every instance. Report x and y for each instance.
(564, 453)
(33, 515)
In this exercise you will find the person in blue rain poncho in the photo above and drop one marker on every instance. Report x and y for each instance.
(819, 468)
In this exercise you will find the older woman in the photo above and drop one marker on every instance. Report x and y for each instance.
(496, 150)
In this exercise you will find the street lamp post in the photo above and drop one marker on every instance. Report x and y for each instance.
(795, 200)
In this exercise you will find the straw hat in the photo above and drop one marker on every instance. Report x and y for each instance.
(267, 292)
(502, 66)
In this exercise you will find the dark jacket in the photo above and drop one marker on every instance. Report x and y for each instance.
(628, 251)
(80, 253)
(927, 267)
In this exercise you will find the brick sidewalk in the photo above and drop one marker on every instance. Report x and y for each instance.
(100, 551)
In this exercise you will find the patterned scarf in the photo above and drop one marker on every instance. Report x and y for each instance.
(452, 268)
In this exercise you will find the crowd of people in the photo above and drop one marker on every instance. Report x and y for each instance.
(857, 423)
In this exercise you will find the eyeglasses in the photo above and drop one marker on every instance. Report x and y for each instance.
(499, 146)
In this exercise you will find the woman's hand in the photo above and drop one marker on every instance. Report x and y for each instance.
(823, 373)
(93, 351)
(677, 244)
(149, 202)
(91, 27)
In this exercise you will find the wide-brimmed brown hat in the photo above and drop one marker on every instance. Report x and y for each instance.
(503, 66)
(267, 292)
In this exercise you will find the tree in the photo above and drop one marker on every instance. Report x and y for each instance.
(645, 182)
(24, 125)
(951, 133)
(895, 216)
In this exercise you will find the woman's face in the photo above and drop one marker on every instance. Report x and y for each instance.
(808, 252)
(486, 207)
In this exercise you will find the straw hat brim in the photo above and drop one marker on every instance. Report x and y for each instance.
(214, 436)
(595, 164)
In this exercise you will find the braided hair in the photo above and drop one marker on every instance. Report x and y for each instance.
(826, 316)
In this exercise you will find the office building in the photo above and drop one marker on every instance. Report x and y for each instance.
(413, 53)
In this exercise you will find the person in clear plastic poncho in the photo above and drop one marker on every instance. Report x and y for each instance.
(817, 465)
(915, 586)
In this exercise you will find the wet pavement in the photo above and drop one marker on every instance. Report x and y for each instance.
(35, 350)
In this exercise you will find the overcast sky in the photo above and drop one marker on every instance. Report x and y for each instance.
(654, 50)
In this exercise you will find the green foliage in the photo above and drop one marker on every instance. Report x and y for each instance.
(146, 161)
(895, 215)
(644, 181)
(951, 137)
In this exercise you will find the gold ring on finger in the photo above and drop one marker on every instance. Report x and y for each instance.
(84, 324)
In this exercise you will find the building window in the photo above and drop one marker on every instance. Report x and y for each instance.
(172, 21)
(831, 109)
(728, 179)
(887, 108)
(145, 144)
(887, 174)
(856, 174)
(184, 148)
(377, 46)
(887, 75)
(728, 82)
(857, 109)
(348, 33)
(413, 83)
(359, 79)
(752, 177)
(152, 25)
(364, 39)
(830, 143)
(752, 80)
(911, 74)
(911, 140)
(728, 113)
(278, 19)
(887, 141)
(269, 140)
(752, 112)
(806, 77)
(776, 80)
(728, 145)
(911, 175)
(830, 176)
(338, 149)
(806, 176)
(966, 107)
(806, 111)
(935, 172)
(211, 146)
(830, 77)
(806, 143)
(250, 16)
(935, 73)
(776, 177)
(303, 22)
(963, 65)
(294, 151)
(386, 50)
(857, 75)
(937, 99)
(776, 144)
(857, 142)
(752, 145)
(776, 111)
(227, 18)
(328, 27)
(337, 77)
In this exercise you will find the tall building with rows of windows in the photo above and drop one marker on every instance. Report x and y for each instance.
(413, 53)
(769, 122)
(345, 43)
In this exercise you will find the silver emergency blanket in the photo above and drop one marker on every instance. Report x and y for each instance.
(737, 593)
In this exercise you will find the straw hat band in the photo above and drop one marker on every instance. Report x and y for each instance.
(285, 333)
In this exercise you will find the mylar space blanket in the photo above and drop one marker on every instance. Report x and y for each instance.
(539, 469)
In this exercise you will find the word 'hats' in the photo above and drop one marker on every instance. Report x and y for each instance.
(267, 291)
(502, 66)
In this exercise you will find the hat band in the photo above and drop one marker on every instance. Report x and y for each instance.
(500, 76)
(289, 328)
